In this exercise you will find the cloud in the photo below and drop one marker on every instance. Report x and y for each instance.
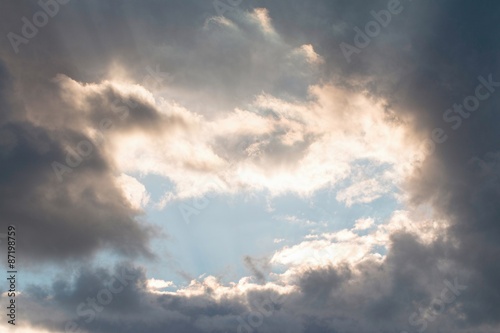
(346, 246)
(345, 292)
(261, 101)
(84, 213)
(156, 284)
(135, 192)
(316, 141)
(363, 224)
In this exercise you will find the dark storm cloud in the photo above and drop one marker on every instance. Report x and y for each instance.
(87, 211)
(465, 47)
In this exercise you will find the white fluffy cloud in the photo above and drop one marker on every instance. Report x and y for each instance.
(272, 144)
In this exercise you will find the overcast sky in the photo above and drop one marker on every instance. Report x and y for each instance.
(297, 166)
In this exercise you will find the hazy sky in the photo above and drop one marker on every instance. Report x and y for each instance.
(251, 166)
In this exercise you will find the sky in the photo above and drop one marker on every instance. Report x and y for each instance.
(250, 166)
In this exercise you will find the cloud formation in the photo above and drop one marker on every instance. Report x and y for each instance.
(257, 102)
